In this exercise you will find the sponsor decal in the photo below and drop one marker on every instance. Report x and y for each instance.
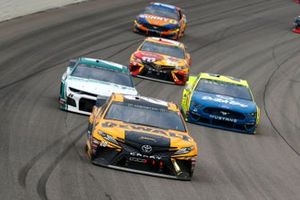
(143, 129)
(148, 59)
(147, 138)
(146, 148)
(225, 100)
(155, 157)
(153, 17)
(154, 101)
(222, 118)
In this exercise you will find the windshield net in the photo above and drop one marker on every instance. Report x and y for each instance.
(224, 88)
(145, 115)
(102, 74)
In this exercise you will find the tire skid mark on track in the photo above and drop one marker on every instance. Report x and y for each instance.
(266, 88)
(42, 183)
(230, 11)
(23, 173)
(219, 39)
(59, 63)
(82, 19)
(44, 178)
(71, 48)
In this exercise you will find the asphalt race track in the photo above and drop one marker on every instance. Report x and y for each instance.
(42, 148)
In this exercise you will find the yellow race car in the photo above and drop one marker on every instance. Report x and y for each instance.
(142, 135)
(161, 59)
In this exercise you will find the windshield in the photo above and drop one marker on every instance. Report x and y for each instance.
(102, 74)
(224, 88)
(162, 12)
(163, 49)
(145, 115)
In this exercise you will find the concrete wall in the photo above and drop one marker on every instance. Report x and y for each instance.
(14, 8)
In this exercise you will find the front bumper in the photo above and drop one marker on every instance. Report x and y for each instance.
(161, 164)
(245, 125)
(296, 30)
(157, 31)
(78, 102)
(147, 71)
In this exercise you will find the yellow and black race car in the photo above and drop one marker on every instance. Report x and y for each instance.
(142, 135)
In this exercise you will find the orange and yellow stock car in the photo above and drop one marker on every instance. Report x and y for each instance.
(142, 135)
(161, 59)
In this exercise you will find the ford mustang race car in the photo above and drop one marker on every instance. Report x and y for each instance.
(220, 101)
(161, 59)
(296, 28)
(141, 135)
(162, 20)
(87, 78)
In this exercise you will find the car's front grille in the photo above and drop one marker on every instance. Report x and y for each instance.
(71, 102)
(86, 104)
(82, 92)
(156, 28)
(159, 72)
(224, 113)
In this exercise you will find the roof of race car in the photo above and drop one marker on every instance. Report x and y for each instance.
(164, 5)
(104, 64)
(165, 41)
(224, 78)
(146, 101)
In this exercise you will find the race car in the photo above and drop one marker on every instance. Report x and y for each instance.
(221, 102)
(296, 28)
(87, 78)
(141, 135)
(162, 20)
(161, 59)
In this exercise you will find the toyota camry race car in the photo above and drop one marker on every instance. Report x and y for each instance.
(162, 20)
(161, 59)
(141, 135)
(296, 28)
(87, 78)
(220, 101)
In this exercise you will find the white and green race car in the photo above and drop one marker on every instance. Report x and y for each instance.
(88, 79)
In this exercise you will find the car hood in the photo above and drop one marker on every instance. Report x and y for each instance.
(157, 20)
(141, 134)
(98, 87)
(160, 59)
(224, 102)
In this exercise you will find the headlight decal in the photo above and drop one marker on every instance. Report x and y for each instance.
(108, 137)
(184, 150)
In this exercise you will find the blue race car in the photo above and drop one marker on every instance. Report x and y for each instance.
(162, 20)
(221, 102)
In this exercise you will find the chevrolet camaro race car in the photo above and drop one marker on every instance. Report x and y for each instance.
(296, 28)
(87, 78)
(161, 59)
(141, 135)
(220, 101)
(161, 20)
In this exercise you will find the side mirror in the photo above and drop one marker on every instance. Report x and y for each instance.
(100, 101)
(72, 63)
(188, 87)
